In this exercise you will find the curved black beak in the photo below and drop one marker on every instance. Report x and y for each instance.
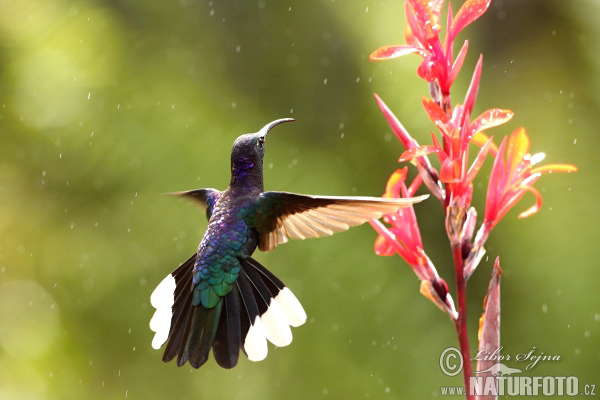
(263, 132)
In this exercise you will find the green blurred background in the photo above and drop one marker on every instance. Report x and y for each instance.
(107, 104)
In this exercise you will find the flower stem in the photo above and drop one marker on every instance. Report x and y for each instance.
(461, 322)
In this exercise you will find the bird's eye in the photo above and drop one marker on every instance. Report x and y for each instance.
(260, 142)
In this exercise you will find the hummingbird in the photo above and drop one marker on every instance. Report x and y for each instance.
(223, 299)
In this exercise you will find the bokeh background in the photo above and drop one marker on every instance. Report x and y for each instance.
(104, 105)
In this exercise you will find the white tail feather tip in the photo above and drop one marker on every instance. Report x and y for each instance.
(291, 307)
(276, 325)
(255, 344)
(162, 299)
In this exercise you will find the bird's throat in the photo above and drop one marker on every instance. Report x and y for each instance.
(247, 175)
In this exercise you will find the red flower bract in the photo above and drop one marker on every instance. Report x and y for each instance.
(513, 175)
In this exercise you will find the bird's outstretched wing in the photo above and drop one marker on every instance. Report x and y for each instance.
(281, 216)
(206, 197)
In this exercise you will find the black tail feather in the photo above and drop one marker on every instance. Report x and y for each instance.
(249, 302)
(274, 283)
(174, 343)
(202, 334)
(181, 307)
(261, 292)
(228, 341)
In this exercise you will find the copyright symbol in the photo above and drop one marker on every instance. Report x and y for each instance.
(451, 361)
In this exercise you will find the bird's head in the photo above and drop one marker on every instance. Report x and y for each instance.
(248, 152)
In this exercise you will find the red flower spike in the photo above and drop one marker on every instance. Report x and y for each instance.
(450, 171)
(491, 118)
(389, 52)
(511, 178)
(423, 18)
(460, 58)
(428, 70)
(472, 93)
(418, 152)
(435, 112)
(398, 129)
(441, 154)
(448, 43)
(476, 166)
(469, 12)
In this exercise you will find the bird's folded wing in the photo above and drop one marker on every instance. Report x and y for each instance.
(206, 197)
(281, 216)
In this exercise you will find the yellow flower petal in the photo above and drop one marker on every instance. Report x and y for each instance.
(549, 168)
(518, 146)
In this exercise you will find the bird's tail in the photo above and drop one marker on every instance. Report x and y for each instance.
(259, 307)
